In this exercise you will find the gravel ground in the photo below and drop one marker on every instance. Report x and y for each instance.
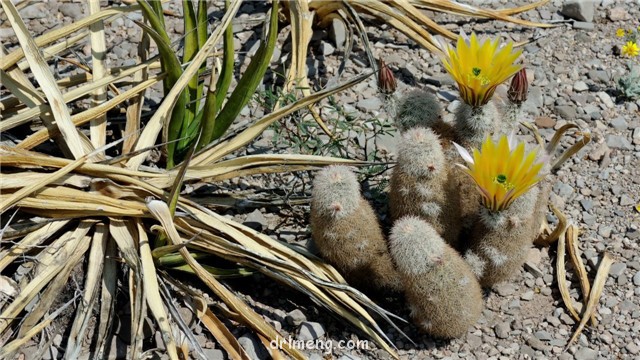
(573, 67)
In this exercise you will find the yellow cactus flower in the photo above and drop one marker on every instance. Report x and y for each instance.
(620, 32)
(630, 49)
(502, 171)
(479, 68)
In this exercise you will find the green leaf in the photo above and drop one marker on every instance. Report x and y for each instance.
(250, 79)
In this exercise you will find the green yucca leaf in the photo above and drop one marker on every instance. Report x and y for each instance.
(249, 81)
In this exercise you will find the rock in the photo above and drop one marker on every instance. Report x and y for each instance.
(617, 269)
(585, 354)
(618, 14)
(599, 152)
(598, 75)
(586, 204)
(338, 32)
(545, 122)
(502, 330)
(563, 190)
(256, 221)
(581, 10)
(528, 296)
(583, 25)
(253, 347)
(580, 86)
(326, 48)
(626, 200)
(214, 354)
(369, 105)
(567, 112)
(636, 279)
(632, 348)
(310, 331)
(505, 289)
(619, 123)
(604, 231)
(72, 10)
(636, 136)
(606, 99)
(295, 317)
(36, 11)
(618, 142)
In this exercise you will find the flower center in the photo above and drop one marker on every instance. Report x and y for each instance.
(501, 179)
(476, 74)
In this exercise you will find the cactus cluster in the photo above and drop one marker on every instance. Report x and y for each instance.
(465, 208)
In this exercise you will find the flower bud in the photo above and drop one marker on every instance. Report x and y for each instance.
(519, 87)
(386, 81)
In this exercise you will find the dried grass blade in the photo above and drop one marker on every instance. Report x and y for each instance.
(30, 241)
(562, 277)
(161, 212)
(578, 265)
(161, 117)
(534, 131)
(51, 36)
(134, 109)
(89, 297)
(224, 337)
(82, 118)
(7, 349)
(46, 80)
(555, 234)
(212, 154)
(98, 54)
(47, 298)
(107, 301)
(594, 295)
(586, 138)
(555, 140)
(152, 293)
(52, 260)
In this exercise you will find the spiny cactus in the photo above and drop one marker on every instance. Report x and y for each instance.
(419, 183)
(500, 240)
(418, 108)
(443, 294)
(473, 124)
(345, 230)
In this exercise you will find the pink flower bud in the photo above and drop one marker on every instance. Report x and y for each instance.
(519, 87)
(386, 81)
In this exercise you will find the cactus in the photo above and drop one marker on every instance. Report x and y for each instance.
(500, 240)
(418, 108)
(346, 232)
(420, 181)
(473, 124)
(443, 294)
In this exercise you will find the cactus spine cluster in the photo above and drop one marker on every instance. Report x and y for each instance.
(443, 294)
(346, 231)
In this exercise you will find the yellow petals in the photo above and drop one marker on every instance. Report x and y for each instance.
(630, 49)
(620, 32)
(479, 68)
(502, 171)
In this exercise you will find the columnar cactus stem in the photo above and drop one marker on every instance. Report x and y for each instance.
(345, 230)
(500, 240)
(419, 184)
(474, 124)
(443, 294)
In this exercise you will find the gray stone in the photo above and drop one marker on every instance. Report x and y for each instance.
(253, 347)
(563, 190)
(72, 10)
(580, 86)
(502, 330)
(636, 279)
(256, 221)
(585, 354)
(505, 289)
(338, 32)
(537, 344)
(310, 331)
(598, 75)
(636, 136)
(626, 200)
(295, 317)
(632, 348)
(618, 142)
(36, 11)
(528, 296)
(619, 123)
(618, 14)
(586, 204)
(581, 10)
(326, 48)
(583, 25)
(567, 112)
(606, 99)
(214, 354)
(604, 231)
(368, 105)
(617, 269)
